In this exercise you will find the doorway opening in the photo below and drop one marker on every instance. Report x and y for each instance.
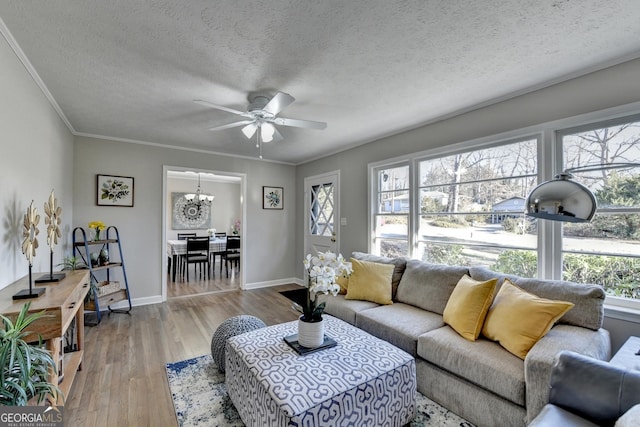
(183, 218)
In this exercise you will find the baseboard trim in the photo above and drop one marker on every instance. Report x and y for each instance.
(268, 284)
(136, 302)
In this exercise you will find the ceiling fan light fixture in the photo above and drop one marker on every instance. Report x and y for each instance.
(249, 130)
(266, 132)
(262, 114)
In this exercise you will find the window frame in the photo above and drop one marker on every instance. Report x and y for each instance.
(549, 163)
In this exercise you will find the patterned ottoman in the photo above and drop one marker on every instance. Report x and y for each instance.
(229, 328)
(363, 381)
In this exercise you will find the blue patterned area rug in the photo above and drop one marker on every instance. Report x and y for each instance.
(200, 399)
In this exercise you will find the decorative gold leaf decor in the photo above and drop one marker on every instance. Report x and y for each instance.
(29, 245)
(52, 220)
(29, 232)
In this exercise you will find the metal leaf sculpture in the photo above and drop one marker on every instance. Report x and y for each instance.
(29, 232)
(53, 220)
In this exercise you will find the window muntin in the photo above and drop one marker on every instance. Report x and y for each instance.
(321, 210)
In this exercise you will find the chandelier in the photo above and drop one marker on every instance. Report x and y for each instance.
(197, 200)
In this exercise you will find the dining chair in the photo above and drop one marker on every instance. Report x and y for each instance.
(214, 254)
(180, 265)
(198, 253)
(232, 254)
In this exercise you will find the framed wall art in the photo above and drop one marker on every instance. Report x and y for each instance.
(115, 190)
(189, 216)
(272, 198)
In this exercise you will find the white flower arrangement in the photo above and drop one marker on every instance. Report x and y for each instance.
(211, 232)
(322, 271)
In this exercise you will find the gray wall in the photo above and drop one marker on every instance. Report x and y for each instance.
(36, 156)
(270, 245)
(604, 89)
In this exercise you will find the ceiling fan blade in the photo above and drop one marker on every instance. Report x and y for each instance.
(220, 107)
(307, 124)
(278, 103)
(231, 125)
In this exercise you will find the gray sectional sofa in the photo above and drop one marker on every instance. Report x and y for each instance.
(478, 380)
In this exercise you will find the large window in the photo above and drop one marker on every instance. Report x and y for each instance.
(471, 209)
(466, 207)
(607, 249)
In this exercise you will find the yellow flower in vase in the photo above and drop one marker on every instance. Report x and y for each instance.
(97, 226)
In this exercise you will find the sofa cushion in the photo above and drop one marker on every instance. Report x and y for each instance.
(400, 324)
(518, 319)
(481, 362)
(344, 309)
(370, 281)
(554, 416)
(428, 286)
(468, 306)
(629, 418)
(588, 299)
(399, 264)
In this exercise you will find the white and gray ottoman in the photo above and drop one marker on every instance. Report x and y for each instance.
(363, 381)
(229, 328)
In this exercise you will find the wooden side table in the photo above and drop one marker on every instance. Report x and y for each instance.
(63, 301)
(627, 356)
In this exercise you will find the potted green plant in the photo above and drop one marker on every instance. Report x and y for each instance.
(25, 366)
(72, 263)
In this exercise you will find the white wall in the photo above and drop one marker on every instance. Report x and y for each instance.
(225, 208)
(36, 156)
(601, 90)
(268, 236)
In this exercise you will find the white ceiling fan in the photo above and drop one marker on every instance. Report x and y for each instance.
(262, 115)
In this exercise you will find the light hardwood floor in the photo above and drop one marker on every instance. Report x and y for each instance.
(197, 285)
(123, 380)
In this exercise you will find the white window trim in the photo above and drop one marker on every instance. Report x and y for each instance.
(549, 244)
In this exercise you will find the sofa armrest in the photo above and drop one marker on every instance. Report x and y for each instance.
(593, 389)
(540, 360)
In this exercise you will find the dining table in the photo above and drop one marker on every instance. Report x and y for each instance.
(179, 247)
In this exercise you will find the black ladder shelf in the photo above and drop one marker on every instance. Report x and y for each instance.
(106, 292)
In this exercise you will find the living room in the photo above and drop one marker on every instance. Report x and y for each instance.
(43, 151)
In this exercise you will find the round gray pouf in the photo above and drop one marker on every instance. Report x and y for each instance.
(230, 328)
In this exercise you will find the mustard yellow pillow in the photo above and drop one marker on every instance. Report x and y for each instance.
(343, 282)
(468, 305)
(370, 281)
(518, 319)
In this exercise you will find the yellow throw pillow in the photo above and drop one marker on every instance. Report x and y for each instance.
(518, 319)
(343, 282)
(370, 281)
(468, 305)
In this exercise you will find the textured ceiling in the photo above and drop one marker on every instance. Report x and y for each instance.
(131, 69)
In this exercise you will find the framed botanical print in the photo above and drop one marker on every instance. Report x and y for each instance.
(272, 197)
(114, 190)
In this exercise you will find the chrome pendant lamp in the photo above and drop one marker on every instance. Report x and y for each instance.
(561, 199)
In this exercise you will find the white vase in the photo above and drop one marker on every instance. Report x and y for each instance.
(310, 334)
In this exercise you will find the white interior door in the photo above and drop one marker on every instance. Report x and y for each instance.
(322, 213)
